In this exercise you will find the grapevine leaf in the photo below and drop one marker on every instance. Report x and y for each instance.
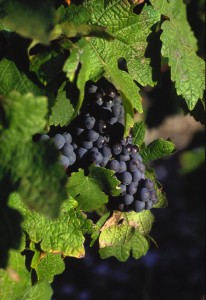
(12, 78)
(31, 19)
(15, 281)
(87, 191)
(100, 57)
(63, 110)
(18, 107)
(180, 46)
(124, 233)
(157, 149)
(47, 266)
(63, 235)
(47, 65)
(105, 178)
(31, 168)
(40, 291)
(138, 133)
(15, 278)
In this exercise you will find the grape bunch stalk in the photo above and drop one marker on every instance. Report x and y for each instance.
(96, 136)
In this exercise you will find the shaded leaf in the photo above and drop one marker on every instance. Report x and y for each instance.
(31, 19)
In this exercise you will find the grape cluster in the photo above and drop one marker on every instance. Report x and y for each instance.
(96, 136)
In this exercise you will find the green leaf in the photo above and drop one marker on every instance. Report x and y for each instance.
(48, 266)
(62, 111)
(12, 78)
(31, 168)
(87, 191)
(124, 233)
(47, 65)
(99, 57)
(105, 179)
(179, 46)
(40, 291)
(18, 107)
(157, 149)
(15, 282)
(63, 235)
(15, 278)
(31, 19)
(138, 133)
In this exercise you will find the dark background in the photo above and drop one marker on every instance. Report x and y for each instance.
(174, 270)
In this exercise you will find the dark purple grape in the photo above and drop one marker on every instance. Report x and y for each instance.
(68, 149)
(87, 144)
(136, 176)
(133, 165)
(126, 178)
(89, 122)
(144, 194)
(64, 161)
(117, 100)
(127, 149)
(122, 167)
(106, 151)
(117, 148)
(96, 157)
(121, 121)
(78, 131)
(117, 110)
(121, 207)
(44, 137)
(122, 157)
(92, 135)
(113, 120)
(149, 184)
(59, 141)
(128, 199)
(141, 168)
(100, 142)
(68, 138)
(132, 188)
(135, 149)
(81, 152)
(74, 146)
(109, 103)
(139, 205)
(113, 165)
(101, 126)
(104, 161)
(123, 141)
(93, 89)
(154, 197)
(94, 149)
(111, 93)
(123, 189)
(149, 204)
(72, 158)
